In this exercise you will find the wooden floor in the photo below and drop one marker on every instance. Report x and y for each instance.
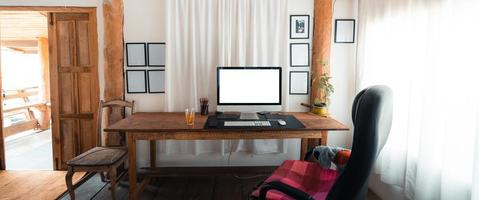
(220, 187)
(47, 185)
(32, 151)
(41, 185)
(177, 187)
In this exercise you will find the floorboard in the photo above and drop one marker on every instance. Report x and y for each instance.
(33, 184)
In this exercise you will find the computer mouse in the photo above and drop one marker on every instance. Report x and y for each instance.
(281, 122)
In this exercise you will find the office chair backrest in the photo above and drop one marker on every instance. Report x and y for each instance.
(117, 112)
(372, 116)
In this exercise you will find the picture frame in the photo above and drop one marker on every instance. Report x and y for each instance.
(299, 27)
(136, 81)
(156, 54)
(136, 54)
(298, 82)
(299, 55)
(156, 81)
(344, 30)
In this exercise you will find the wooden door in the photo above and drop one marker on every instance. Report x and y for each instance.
(74, 84)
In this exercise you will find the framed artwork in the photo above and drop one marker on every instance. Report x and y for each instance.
(156, 81)
(344, 30)
(136, 81)
(299, 54)
(298, 82)
(136, 54)
(156, 54)
(299, 27)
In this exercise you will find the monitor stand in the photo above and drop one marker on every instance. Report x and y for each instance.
(249, 116)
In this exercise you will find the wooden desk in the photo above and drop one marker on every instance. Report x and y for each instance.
(172, 126)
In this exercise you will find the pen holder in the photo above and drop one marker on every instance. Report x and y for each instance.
(204, 109)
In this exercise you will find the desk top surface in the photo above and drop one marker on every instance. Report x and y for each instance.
(175, 122)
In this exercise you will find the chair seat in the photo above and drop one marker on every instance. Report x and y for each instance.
(305, 176)
(98, 156)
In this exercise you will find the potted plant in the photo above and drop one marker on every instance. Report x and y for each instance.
(325, 89)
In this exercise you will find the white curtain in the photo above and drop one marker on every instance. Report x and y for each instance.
(204, 34)
(428, 52)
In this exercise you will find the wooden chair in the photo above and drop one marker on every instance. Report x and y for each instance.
(101, 158)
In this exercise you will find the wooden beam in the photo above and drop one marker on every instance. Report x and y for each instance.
(47, 8)
(44, 89)
(323, 19)
(114, 61)
(2, 141)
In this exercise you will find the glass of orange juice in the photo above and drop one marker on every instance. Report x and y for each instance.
(190, 116)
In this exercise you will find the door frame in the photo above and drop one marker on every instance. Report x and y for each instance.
(56, 146)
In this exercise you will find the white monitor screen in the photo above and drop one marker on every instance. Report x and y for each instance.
(249, 85)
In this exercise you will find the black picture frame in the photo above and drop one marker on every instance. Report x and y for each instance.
(129, 51)
(127, 80)
(307, 82)
(291, 25)
(336, 30)
(149, 83)
(149, 56)
(291, 55)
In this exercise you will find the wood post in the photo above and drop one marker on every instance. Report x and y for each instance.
(2, 141)
(114, 61)
(44, 89)
(323, 19)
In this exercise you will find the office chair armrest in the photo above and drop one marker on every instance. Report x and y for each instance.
(285, 189)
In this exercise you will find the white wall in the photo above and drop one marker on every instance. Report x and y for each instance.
(301, 7)
(145, 21)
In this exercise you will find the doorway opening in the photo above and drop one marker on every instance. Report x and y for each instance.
(26, 90)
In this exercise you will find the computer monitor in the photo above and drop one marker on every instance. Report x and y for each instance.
(248, 89)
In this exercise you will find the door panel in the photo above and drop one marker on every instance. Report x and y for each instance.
(68, 139)
(85, 93)
(85, 128)
(67, 96)
(83, 44)
(74, 78)
(64, 33)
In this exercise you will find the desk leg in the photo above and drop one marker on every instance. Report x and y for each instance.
(324, 138)
(304, 148)
(132, 166)
(153, 153)
(309, 143)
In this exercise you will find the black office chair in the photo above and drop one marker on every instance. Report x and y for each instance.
(372, 116)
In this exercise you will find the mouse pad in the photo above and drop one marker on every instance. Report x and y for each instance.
(291, 123)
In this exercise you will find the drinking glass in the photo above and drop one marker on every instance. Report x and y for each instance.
(190, 116)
